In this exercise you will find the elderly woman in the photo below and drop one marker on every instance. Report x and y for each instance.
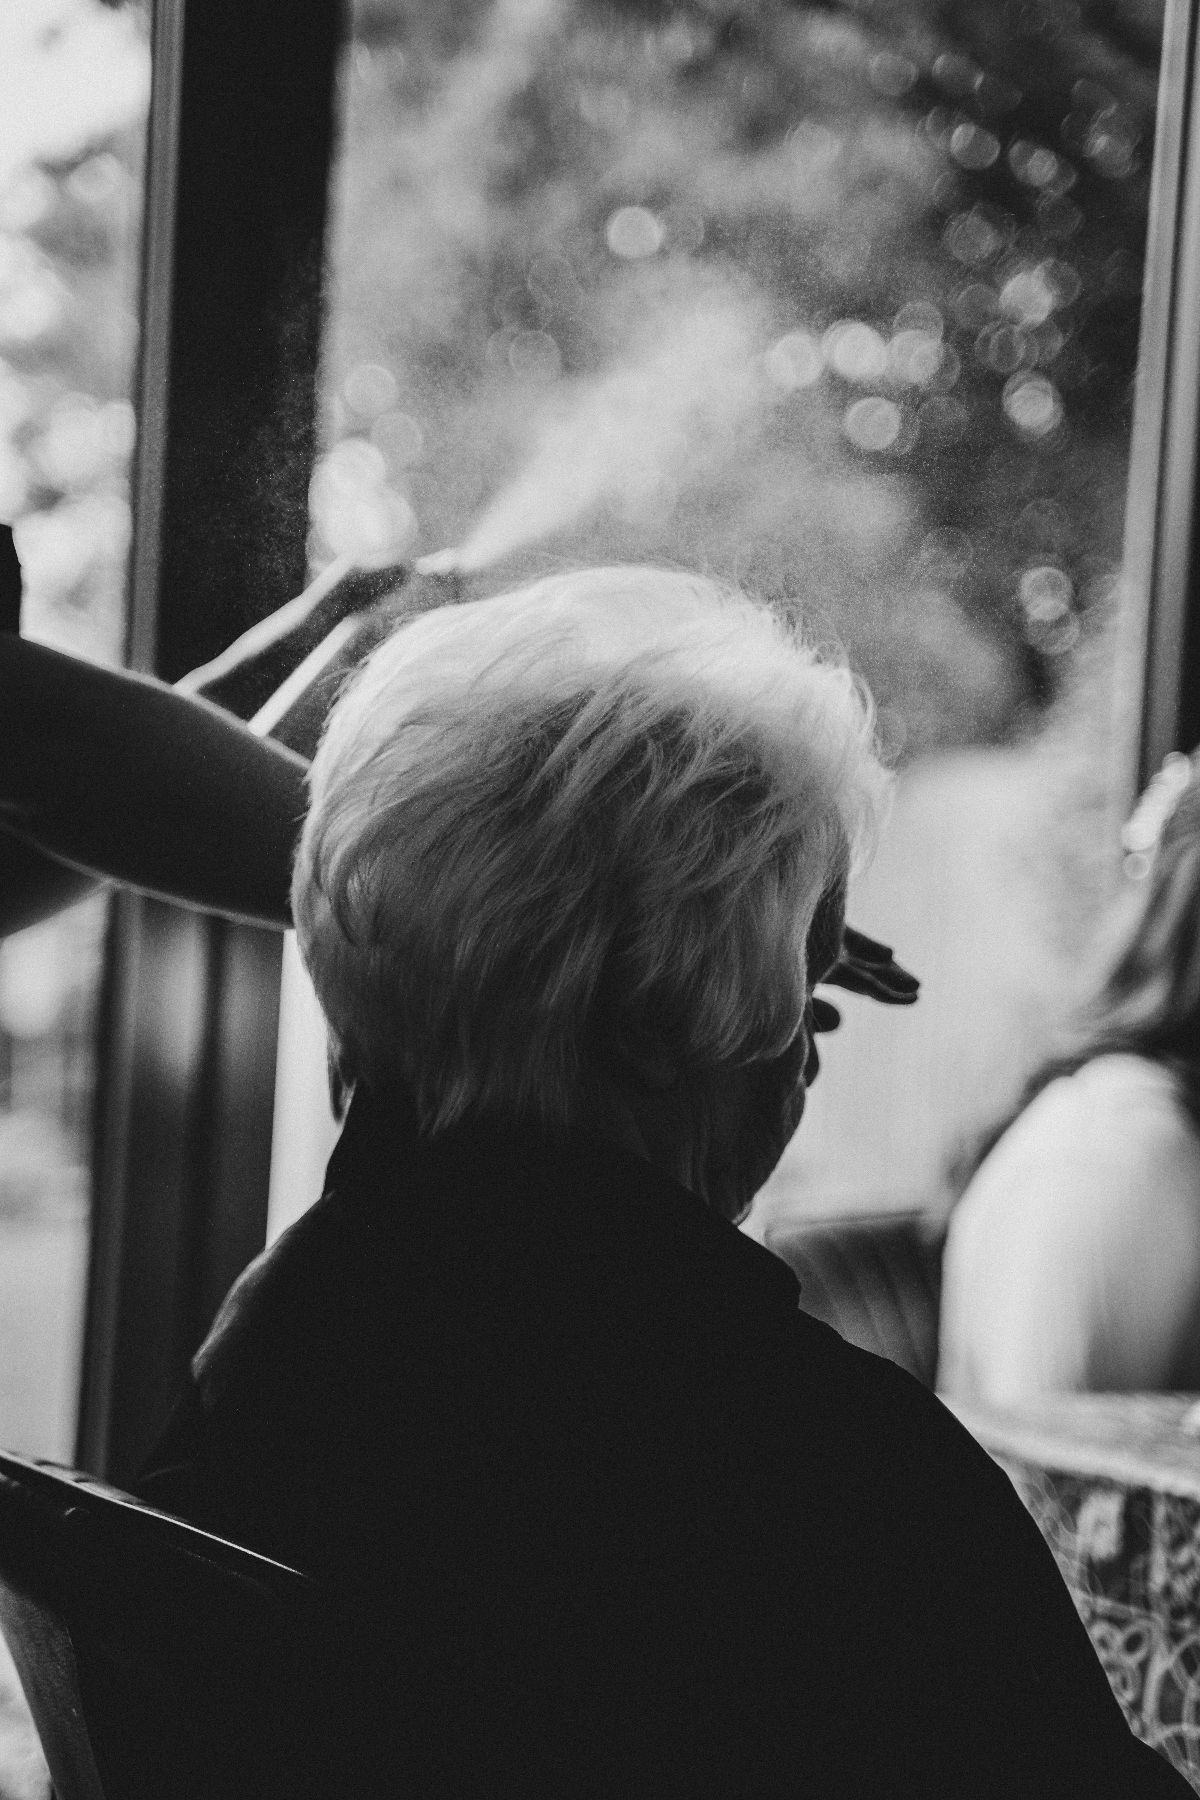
(622, 1520)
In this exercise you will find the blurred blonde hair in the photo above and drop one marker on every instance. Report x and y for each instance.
(590, 815)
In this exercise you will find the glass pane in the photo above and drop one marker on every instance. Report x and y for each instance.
(841, 304)
(74, 90)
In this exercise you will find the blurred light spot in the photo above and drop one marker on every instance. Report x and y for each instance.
(1110, 146)
(1046, 593)
(873, 424)
(634, 232)
(1033, 404)
(891, 75)
(937, 124)
(854, 351)
(1033, 164)
(96, 180)
(400, 438)
(350, 465)
(795, 361)
(370, 526)
(914, 357)
(35, 982)
(684, 41)
(942, 421)
(956, 74)
(919, 315)
(71, 451)
(946, 552)
(972, 147)
(839, 41)
(61, 546)
(26, 200)
(971, 237)
(1001, 348)
(975, 304)
(354, 510)
(370, 389)
(1029, 297)
(32, 307)
(1056, 640)
(1065, 280)
(534, 356)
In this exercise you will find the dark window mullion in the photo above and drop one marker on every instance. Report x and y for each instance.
(1158, 675)
(239, 148)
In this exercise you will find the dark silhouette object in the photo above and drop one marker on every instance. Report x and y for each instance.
(254, 667)
(10, 582)
(157, 1660)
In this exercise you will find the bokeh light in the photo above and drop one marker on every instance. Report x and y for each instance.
(890, 74)
(399, 436)
(354, 509)
(855, 351)
(915, 357)
(634, 232)
(795, 361)
(534, 356)
(1033, 404)
(972, 147)
(1047, 593)
(874, 424)
(1029, 296)
(370, 389)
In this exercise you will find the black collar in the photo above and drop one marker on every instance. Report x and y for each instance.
(514, 1203)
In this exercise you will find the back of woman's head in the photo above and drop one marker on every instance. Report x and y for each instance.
(555, 827)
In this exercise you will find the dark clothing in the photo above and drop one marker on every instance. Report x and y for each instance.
(636, 1526)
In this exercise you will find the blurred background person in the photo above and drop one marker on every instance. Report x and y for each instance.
(1073, 1259)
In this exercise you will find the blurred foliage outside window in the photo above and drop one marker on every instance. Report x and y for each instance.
(74, 91)
(840, 302)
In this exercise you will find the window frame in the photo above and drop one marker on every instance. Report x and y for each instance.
(189, 1010)
(1157, 695)
(239, 148)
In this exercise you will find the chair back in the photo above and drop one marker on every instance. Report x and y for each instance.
(159, 1662)
(875, 1277)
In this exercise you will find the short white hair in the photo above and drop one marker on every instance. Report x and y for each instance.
(594, 812)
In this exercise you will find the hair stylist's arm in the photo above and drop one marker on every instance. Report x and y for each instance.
(121, 777)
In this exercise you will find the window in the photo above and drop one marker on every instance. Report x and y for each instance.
(74, 88)
(840, 303)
